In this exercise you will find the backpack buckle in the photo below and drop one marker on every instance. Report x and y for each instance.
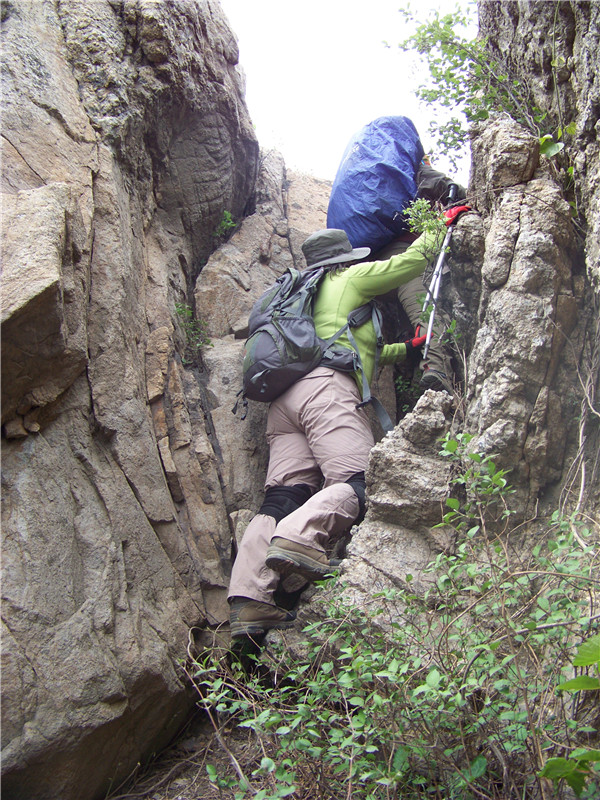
(244, 404)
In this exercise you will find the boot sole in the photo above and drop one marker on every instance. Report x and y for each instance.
(287, 563)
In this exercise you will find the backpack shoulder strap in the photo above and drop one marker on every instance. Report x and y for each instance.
(356, 318)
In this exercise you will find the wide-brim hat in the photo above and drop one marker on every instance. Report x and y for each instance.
(331, 246)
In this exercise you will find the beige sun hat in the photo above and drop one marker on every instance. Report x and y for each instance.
(331, 246)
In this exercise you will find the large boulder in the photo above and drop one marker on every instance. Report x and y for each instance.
(125, 475)
(521, 391)
(407, 484)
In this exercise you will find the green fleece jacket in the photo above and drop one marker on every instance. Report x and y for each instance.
(341, 292)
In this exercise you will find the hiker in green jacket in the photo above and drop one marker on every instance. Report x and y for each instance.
(319, 435)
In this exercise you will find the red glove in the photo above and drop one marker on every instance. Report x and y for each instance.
(452, 214)
(417, 341)
(413, 348)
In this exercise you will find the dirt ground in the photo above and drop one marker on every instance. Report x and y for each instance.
(180, 772)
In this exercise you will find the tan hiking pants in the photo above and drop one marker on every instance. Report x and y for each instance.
(316, 435)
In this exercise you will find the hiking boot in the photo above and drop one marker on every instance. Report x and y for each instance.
(253, 618)
(438, 381)
(286, 557)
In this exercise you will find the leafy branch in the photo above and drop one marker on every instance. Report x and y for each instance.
(469, 82)
(451, 690)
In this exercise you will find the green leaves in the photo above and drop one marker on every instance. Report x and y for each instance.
(575, 771)
(485, 484)
(438, 692)
(196, 336)
(549, 148)
(463, 78)
(589, 653)
(582, 683)
(422, 218)
(225, 226)
(468, 82)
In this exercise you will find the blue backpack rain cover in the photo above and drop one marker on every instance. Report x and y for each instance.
(375, 182)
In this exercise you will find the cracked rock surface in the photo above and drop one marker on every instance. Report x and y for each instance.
(126, 479)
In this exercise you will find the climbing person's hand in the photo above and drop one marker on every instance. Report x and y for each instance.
(452, 214)
(414, 347)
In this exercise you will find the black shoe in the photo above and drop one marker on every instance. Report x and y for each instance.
(244, 654)
(438, 381)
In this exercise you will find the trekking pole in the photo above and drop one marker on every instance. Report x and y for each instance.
(436, 278)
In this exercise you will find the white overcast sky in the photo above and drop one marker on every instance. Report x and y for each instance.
(318, 70)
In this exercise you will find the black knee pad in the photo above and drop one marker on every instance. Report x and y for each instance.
(282, 500)
(359, 484)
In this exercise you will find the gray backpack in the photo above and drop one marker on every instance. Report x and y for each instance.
(283, 345)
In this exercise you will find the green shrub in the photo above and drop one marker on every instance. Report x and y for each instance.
(580, 768)
(454, 690)
(196, 336)
(468, 84)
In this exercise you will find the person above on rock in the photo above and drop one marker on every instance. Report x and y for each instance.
(319, 438)
(436, 368)
(383, 170)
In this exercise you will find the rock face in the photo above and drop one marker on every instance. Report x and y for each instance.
(125, 137)
(552, 50)
(124, 472)
(125, 476)
(520, 367)
(541, 270)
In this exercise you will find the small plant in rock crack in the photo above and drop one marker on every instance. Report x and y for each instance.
(195, 333)
(443, 689)
(451, 336)
(407, 394)
(484, 484)
(225, 226)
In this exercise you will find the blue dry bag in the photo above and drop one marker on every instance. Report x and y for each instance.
(375, 182)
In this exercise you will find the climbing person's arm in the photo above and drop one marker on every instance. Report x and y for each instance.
(374, 278)
(409, 350)
(434, 186)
